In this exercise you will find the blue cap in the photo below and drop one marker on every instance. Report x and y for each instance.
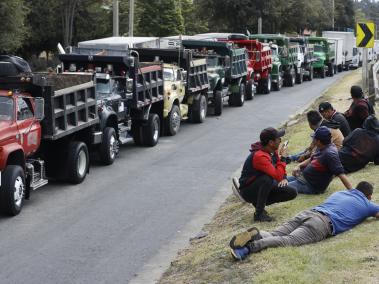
(323, 134)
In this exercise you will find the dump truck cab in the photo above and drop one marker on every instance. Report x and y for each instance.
(324, 54)
(174, 91)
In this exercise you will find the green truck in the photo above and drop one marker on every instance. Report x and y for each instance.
(325, 57)
(227, 71)
(286, 54)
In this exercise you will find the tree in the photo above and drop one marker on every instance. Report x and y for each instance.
(69, 11)
(160, 18)
(192, 22)
(12, 29)
(44, 27)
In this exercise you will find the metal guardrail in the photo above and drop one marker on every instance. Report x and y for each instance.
(375, 69)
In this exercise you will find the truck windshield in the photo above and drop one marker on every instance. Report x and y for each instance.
(319, 48)
(103, 86)
(6, 108)
(168, 74)
(355, 51)
(212, 61)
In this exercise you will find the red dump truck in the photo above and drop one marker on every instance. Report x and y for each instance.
(260, 60)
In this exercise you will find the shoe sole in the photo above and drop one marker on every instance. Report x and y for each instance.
(236, 192)
(236, 257)
(240, 240)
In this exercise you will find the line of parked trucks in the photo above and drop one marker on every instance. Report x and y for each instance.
(108, 92)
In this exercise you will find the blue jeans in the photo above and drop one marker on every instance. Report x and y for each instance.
(300, 185)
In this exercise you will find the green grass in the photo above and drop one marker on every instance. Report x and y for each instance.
(352, 257)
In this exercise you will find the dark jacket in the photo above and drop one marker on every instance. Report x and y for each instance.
(361, 146)
(344, 125)
(260, 163)
(358, 112)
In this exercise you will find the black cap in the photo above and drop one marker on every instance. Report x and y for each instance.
(323, 134)
(324, 106)
(356, 92)
(270, 133)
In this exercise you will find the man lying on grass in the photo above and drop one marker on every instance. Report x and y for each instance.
(339, 213)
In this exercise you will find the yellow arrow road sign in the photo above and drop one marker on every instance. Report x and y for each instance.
(365, 34)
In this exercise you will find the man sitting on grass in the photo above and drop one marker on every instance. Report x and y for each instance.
(340, 212)
(263, 177)
(361, 146)
(314, 175)
(329, 113)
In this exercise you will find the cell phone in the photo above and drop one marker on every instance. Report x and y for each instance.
(285, 144)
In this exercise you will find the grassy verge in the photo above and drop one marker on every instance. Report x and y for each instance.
(352, 257)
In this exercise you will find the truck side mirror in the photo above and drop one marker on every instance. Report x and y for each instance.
(39, 112)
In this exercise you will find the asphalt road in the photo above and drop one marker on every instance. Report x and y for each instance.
(105, 229)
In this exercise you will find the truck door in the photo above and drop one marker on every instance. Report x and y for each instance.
(179, 82)
(29, 128)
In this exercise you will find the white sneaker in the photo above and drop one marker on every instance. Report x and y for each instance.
(236, 191)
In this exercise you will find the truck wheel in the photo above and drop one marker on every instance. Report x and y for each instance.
(218, 103)
(137, 132)
(151, 130)
(330, 70)
(322, 72)
(109, 146)
(292, 78)
(266, 86)
(239, 98)
(299, 76)
(311, 74)
(339, 68)
(77, 162)
(12, 190)
(173, 121)
(199, 109)
(250, 90)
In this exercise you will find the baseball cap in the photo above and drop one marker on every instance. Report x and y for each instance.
(323, 134)
(324, 106)
(270, 133)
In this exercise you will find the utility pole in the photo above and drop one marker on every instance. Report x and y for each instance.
(115, 18)
(131, 18)
(259, 25)
(333, 14)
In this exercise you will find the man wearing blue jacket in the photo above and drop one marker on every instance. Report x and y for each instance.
(340, 212)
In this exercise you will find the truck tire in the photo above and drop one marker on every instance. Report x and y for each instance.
(12, 190)
(322, 72)
(299, 76)
(277, 85)
(330, 70)
(172, 122)
(250, 90)
(266, 85)
(311, 74)
(291, 78)
(339, 68)
(199, 109)
(239, 98)
(151, 130)
(109, 146)
(218, 102)
(77, 162)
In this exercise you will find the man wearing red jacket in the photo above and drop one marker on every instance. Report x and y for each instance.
(263, 177)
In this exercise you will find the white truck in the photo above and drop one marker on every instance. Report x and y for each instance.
(339, 58)
(348, 44)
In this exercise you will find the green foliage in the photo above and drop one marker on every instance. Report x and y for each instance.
(160, 18)
(13, 31)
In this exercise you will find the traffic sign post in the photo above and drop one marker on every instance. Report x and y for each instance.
(365, 40)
